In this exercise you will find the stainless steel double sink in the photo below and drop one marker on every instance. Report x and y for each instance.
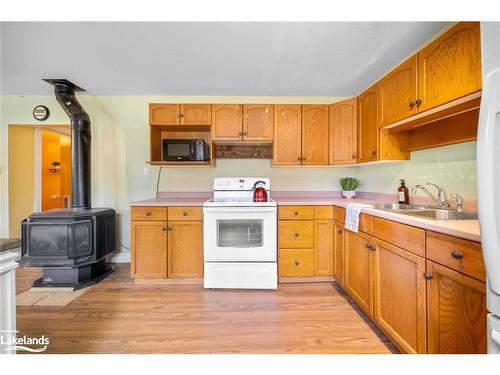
(426, 212)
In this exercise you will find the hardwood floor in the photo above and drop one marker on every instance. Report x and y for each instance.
(119, 316)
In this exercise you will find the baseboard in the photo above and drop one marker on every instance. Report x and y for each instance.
(118, 257)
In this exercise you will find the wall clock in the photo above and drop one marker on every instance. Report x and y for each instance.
(41, 113)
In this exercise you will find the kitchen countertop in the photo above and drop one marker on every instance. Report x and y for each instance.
(466, 229)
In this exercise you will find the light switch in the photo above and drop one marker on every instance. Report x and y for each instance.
(146, 170)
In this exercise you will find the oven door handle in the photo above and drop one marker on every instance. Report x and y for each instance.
(239, 209)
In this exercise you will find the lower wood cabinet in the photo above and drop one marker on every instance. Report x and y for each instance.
(149, 249)
(456, 310)
(338, 259)
(358, 269)
(399, 296)
(296, 262)
(323, 247)
(185, 249)
(166, 248)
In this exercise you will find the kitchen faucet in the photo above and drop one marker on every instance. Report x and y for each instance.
(441, 199)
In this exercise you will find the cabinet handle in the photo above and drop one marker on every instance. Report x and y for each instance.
(411, 105)
(184, 214)
(296, 234)
(457, 254)
(181, 115)
(296, 263)
(428, 276)
(164, 229)
(418, 102)
(296, 213)
(374, 152)
(340, 231)
(367, 245)
(303, 159)
(299, 158)
(169, 227)
(148, 213)
(354, 156)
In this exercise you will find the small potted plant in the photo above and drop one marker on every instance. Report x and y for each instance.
(349, 186)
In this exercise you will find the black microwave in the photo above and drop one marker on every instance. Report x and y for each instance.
(185, 150)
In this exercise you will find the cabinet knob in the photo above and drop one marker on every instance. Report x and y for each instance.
(411, 105)
(374, 152)
(296, 234)
(418, 102)
(296, 213)
(169, 227)
(299, 158)
(303, 159)
(148, 213)
(184, 214)
(296, 263)
(354, 156)
(340, 231)
(428, 276)
(164, 229)
(457, 254)
(181, 115)
(367, 245)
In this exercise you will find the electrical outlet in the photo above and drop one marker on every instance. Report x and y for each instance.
(146, 170)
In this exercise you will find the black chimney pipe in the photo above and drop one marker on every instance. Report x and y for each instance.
(64, 91)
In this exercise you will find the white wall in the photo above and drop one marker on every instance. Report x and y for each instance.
(120, 147)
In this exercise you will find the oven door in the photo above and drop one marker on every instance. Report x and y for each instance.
(235, 234)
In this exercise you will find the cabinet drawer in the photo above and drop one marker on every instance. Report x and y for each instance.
(149, 213)
(296, 212)
(323, 212)
(365, 220)
(461, 255)
(185, 213)
(401, 235)
(296, 262)
(296, 234)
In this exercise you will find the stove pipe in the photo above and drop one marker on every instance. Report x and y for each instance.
(64, 91)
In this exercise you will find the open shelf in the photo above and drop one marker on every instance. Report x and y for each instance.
(182, 163)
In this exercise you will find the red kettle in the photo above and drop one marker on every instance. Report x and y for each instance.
(259, 192)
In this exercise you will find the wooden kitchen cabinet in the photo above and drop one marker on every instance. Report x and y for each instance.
(315, 135)
(196, 114)
(226, 122)
(344, 132)
(185, 248)
(368, 125)
(399, 296)
(149, 249)
(450, 66)
(296, 234)
(323, 247)
(287, 145)
(358, 269)
(164, 114)
(258, 122)
(456, 312)
(398, 93)
(296, 262)
(338, 261)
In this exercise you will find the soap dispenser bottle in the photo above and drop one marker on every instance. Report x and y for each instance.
(403, 194)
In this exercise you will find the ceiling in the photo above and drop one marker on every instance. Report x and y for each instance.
(206, 58)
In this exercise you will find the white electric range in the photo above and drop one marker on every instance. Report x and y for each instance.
(239, 236)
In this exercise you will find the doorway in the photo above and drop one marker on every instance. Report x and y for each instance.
(39, 171)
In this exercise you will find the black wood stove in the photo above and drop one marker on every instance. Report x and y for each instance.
(71, 244)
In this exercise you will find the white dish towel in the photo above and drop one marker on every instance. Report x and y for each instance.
(352, 212)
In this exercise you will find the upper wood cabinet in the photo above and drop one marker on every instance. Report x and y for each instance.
(258, 122)
(450, 66)
(358, 269)
(287, 147)
(185, 248)
(180, 114)
(344, 132)
(399, 296)
(368, 124)
(456, 310)
(226, 122)
(398, 93)
(315, 141)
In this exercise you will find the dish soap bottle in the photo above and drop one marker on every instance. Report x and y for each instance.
(403, 194)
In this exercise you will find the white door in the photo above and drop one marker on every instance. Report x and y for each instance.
(234, 234)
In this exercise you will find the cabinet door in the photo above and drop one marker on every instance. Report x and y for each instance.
(368, 125)
(315, 140)
(344, 132)
(323, 247)
(399, 296)
(338, 261)
(398, 93)
(450, 66)
(456, 312)
(287, 135)
(196, 114)
(185, 249)
(149, 249)
(358, 272)
(226, 122)
(258, 122)
(164, 114)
